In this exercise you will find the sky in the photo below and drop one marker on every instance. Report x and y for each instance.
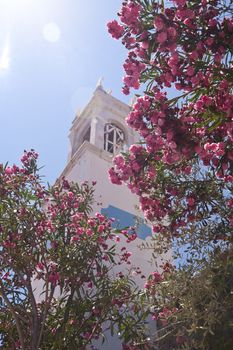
(52, 54)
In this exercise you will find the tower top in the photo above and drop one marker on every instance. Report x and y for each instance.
(101, 124)
(100, 83)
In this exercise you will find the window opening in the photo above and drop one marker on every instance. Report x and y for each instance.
(113, 138)
(87, 135)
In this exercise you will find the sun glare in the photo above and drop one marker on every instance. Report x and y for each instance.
(29, 14)
(51, 32)
(5, 57)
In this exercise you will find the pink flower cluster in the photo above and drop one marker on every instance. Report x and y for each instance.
(64, 207)
(187, 47)
(129, 15)
(115, 29)
(29, 157)
(133, 70)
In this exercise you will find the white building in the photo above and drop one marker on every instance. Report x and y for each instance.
(97, 133)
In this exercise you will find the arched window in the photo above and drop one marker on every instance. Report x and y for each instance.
(113, 138)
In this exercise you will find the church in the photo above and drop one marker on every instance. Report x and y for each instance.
(97, 134)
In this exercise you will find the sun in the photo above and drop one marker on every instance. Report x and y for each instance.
(51, 32)
(5, 57)
(20, 12)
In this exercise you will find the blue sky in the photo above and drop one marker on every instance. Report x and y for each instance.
(52, 53)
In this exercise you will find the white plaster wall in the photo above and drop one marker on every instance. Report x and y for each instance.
(92, 165)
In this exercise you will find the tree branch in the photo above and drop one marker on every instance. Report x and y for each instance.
(16, 318)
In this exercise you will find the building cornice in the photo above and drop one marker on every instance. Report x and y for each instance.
(86, 146)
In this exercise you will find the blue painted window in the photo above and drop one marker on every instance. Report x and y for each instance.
(124, 219)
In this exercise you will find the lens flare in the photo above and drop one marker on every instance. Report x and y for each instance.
(51, 32)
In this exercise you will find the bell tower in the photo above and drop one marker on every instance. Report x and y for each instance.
(102, 124)
(97, 134)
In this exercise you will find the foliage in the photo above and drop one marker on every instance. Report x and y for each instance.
(182, 170)
(57, 284)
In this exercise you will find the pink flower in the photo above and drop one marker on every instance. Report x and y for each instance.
(172, 33)
(80, 230)
(157, 277)
(90, 285)
(187, 170)
(54, 277)
(115, 29)
(9, 170)
(159, 23)
(100, 229)
(89, 232)
(190, 71)
(129, 15)
(162, 37)
(193, 55)
(40, 266)
(209, 41)
(191, 201)
(29, 157)
(145, 44)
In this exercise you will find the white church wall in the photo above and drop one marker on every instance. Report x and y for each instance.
(92, 165)
(88, 161)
